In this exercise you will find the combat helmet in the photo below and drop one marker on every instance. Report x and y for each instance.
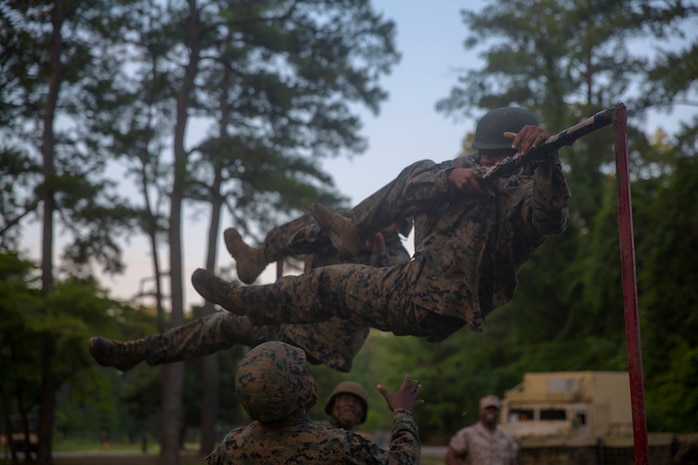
(273, 381)
(488, 134)
(348, 387)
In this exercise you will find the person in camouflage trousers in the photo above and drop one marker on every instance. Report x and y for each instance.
(276, 389)
(334, 342)
(483, 443)
(471, 236)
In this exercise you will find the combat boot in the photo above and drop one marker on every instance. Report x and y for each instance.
(341, 230)
(250, 260)
(120, 355)
(217, 291)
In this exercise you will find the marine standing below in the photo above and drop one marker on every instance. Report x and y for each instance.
(275, 387)
(347, 405)
(483, 443)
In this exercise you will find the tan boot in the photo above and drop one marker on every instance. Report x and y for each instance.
(120, 355)
(250, 260)
(217, 291)
(342, 230)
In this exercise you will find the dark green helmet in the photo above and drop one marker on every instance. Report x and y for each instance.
(348, 387)
(490, 129)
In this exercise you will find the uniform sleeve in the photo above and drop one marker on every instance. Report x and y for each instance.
(545, 210)
(405, 447)
(431, 186)
(423, 185)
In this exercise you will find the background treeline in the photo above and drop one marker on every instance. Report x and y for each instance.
(95, 101)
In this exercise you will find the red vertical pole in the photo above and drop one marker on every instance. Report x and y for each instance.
(627, 255)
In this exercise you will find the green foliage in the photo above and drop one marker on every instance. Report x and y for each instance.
(76, 310)
(668, 242)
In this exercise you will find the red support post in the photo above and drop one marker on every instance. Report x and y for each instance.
(627, 255)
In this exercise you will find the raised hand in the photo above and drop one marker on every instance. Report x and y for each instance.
(405, 397)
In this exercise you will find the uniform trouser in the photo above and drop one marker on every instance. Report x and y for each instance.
(297, 237)
(391, 203)
(380, 298)
(382, 208)
(205, 336)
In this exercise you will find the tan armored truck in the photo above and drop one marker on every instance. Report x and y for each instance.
(572, 404)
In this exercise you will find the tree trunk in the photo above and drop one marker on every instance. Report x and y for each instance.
(173, 374)
(47, 404)
(209, 414)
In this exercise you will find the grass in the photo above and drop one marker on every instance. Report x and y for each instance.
(121, 459)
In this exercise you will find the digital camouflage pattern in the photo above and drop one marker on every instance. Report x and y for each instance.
(480, 446)
(334, 342)
(275, 372)
(273, 381)
(467, 254)
(301, 442)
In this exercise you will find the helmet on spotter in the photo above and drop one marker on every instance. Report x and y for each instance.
(273, 381)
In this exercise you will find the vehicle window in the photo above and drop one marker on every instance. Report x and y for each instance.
(520, 414)
(552, 414)
(580, 419)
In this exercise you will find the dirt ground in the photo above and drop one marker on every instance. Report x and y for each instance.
(127, 459)
(153, 460)
(186, 459)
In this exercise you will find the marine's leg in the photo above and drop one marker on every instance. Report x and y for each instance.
(334, 342)
(373, 297)
(401, 198)
(203, 336)
(122, 355)
(299, 236)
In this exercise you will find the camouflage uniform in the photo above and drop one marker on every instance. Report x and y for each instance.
(302, 236)
(334, 342)
(481, 446)
(467, 254)
(275, 387)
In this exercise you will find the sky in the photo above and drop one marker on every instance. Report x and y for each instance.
(430, 37)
